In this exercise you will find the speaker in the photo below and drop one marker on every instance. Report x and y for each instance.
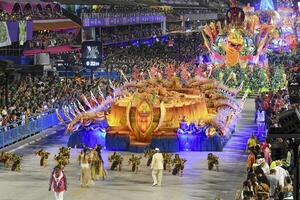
(294, 91)
(278, 151)
(42, 59)
(290, 120)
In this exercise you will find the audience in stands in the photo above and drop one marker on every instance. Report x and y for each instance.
(127, 33)
(28, 14)
(178, 50)
(268, 178)
(45, 39)
(32, 96)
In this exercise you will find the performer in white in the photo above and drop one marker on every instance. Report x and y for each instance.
(260, 121)
(157, 166)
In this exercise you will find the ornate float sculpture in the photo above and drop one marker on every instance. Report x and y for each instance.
(242, 40)
(147, 110)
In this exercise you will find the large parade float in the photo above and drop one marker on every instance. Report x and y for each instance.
(198, 115)
(253, 45)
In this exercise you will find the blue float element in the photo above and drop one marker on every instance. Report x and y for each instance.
(193, 138)
(189, 138)
(165, 144)
(267, 5)
(138, 148)
(90, 137)
(116, 142)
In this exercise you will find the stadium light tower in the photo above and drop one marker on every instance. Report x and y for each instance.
(267, 5)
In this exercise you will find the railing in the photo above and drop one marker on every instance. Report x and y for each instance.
(20, 130)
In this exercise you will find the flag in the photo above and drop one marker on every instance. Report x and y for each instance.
(22, 32)
(80, 106)
(60, 118)
(206, 42)
(123, 75)
(261, 45)
(66, 113)
(94, 98)
(111, 85)
(87, 103)
(4, 35)
(71, 110)
(76, 108)
(100, 92)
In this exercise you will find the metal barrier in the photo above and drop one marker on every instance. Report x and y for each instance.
(13, 135)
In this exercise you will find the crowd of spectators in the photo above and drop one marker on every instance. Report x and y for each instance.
(45, 39)
(177, 51)
(268, 177)
(29, 14)
(270, 163)
(127, 33)
(268, 105)
(33, 96)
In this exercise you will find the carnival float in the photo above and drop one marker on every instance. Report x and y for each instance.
(245, 48)
(198, 115)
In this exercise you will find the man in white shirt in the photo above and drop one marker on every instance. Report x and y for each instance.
(157, 166)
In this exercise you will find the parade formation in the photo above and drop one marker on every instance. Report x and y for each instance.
(186, 96)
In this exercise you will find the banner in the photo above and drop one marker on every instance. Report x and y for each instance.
(22, 32)
(119, 21)
(4, 35)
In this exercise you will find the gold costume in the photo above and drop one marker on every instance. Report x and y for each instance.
(212, 160)
(16, 165)
(11, 159)
(100, 171)
(149, 154)
(44, 157)
(178, 164)
(167, 161)
(116, 161)
(85, 172)
(135, 161)
(63, 157)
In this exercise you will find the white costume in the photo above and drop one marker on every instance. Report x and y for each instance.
(157, 166)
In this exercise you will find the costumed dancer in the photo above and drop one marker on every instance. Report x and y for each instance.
(6, 158)
(178, 165)
(149, 153)
(100, 171)
(167, 161)
(16, 165)
(116, 161)
(94, 162)
(58, 182)
(65, 152)
(157, 166)
(260, 121)
(212, 160)
(251, 143)
(85, 175)
(135, 161)
(44, 157)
